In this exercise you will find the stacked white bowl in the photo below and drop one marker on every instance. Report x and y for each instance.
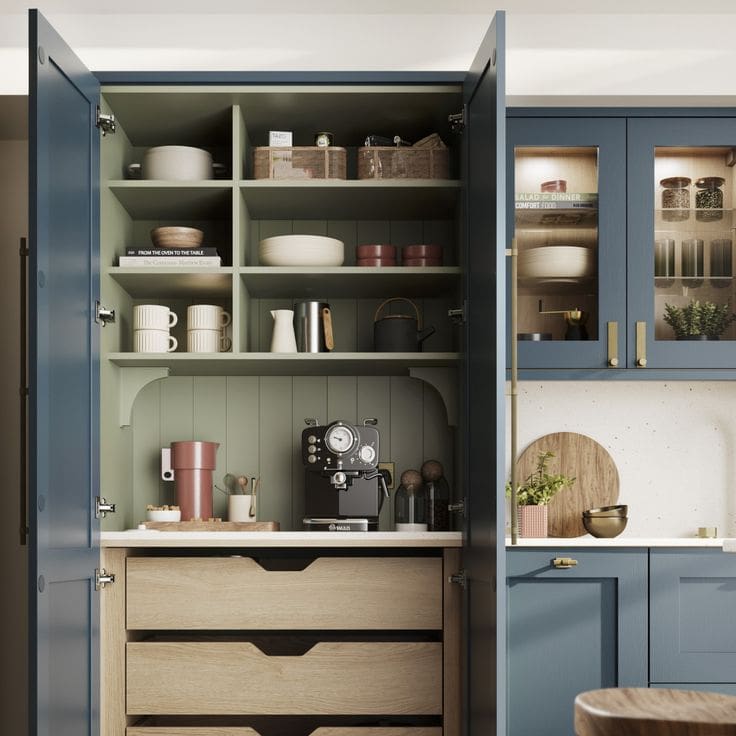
(206, 325)
(301, 250)
(557, 262)
(151, 325)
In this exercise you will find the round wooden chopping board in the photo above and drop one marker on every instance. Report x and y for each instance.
(596, 478)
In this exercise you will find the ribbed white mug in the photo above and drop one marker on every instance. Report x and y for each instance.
(154, 341)
(207, 341)
(207, 317)
(153, 317)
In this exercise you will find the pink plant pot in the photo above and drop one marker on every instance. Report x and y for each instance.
(532, 521)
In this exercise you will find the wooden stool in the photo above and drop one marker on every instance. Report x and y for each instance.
(653, 712)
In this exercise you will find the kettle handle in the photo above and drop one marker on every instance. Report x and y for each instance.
(327, 325)
(398, 299)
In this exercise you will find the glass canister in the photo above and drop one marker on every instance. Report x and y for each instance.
(664, 262)
(410, 503)
(692, 262)
(438, 496)
(709, 198)
(721, 262)
(675, 198)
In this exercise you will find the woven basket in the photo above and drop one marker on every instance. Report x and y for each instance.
(299, 162)
(403, 162)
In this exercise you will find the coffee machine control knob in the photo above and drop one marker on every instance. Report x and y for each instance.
(311, 439)
(312, 449)
(312, 459)
(367, 454)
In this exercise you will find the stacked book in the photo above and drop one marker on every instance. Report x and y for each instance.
(181, 257)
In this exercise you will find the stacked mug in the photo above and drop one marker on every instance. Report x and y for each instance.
(151, 325)
(206, 324)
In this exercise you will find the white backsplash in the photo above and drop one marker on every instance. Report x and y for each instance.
(674, 445)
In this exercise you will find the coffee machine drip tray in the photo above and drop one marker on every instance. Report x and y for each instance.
(340, 525)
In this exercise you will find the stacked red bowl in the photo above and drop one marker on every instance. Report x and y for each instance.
(421, 255)
(375, 255)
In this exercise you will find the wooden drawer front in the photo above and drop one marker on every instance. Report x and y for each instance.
(244, 731)
(236, 678)
(331, 593)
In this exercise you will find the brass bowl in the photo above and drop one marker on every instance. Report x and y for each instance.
(176, 237)
(605, 526)
(607, 511)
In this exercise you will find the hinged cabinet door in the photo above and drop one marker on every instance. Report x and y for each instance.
(566, 207)
(681, 287)
(484, 378)
(64, 400)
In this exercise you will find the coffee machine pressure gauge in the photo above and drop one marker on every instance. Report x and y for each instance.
(341, 438)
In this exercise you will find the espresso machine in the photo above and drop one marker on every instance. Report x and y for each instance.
(344, 489)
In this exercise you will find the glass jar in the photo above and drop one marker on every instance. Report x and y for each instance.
(692, 262)
(410, 508)
(721, 262)
(675, 198)
(664, 262)
(709, 198)
(438, 496)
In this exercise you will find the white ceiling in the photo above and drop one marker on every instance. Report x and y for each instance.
(648, 49)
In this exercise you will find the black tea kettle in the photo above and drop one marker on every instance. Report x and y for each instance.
(399, 333)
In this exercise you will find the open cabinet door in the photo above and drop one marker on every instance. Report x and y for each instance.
(64, 393)
(484, 175)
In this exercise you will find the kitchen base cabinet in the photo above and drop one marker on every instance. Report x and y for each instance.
(693, 617)
(570, 630)
(225, 672)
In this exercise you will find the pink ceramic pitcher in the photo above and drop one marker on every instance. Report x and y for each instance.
(193, 463)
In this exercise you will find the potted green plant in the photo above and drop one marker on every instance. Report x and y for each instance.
(535, 493)
(698, 320)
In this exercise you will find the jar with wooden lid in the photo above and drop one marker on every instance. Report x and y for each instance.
(709, 198)
(675, 198)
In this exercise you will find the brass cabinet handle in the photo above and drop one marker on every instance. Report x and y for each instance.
(563, 563)
(641, 344)
(613, 344)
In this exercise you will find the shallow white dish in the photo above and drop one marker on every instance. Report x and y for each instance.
(301, 250)
(563, 261)
(163, 514)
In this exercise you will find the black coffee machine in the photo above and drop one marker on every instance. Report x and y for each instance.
(344, 489)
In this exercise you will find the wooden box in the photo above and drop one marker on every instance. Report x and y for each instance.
(299, 162)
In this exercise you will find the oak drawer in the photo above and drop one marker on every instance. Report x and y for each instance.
(245, 731)
(237, 678)
(356, 593)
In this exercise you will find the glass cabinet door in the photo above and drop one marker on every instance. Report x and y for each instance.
(682, 293)
(568, 216)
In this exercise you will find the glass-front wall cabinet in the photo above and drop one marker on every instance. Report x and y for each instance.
(681, 198)
(567, 190)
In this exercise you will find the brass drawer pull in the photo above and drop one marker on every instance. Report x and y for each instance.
(613, 344)
(563, 563)
(641, 344)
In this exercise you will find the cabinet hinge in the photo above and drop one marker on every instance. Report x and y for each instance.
(458, 315)
(103, 578)
(103, 508)
(103, 315)
(457, 508)
(106, 123)
(459, 578)
(457, 121)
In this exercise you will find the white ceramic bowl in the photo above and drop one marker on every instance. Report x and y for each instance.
(559, 261)
(174, 163)
(301, 250)
(163, 514)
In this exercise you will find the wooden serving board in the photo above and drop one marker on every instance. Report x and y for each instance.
(596, 478)
(213, 526)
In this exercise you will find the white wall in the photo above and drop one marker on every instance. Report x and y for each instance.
(674, 445)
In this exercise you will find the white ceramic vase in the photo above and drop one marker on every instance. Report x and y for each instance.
(283, 339)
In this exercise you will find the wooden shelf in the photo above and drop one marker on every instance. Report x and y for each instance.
(168, 200)
(173, 282)
(285, 364)
(349, 281)
(351, 199)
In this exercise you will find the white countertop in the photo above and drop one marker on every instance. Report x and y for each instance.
(151, 538)
(590, 541)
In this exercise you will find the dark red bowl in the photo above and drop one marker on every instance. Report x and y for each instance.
(422, 251)
(421, 262)
(375, 251)
(376, 262)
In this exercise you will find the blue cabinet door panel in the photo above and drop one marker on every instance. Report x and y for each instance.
(484, 149)
(571, 630)
(693, 616)
(64, 400)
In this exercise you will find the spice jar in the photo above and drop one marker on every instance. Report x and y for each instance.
(709, 198)
(438, 496)
(675, 198)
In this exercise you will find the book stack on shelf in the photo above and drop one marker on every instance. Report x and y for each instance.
(206, 257)
(173, 246)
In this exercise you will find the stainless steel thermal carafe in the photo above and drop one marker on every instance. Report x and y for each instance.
(313, 327)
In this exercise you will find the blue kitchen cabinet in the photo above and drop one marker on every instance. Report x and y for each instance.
(570, 630)
(650, 195)
(692, 617)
